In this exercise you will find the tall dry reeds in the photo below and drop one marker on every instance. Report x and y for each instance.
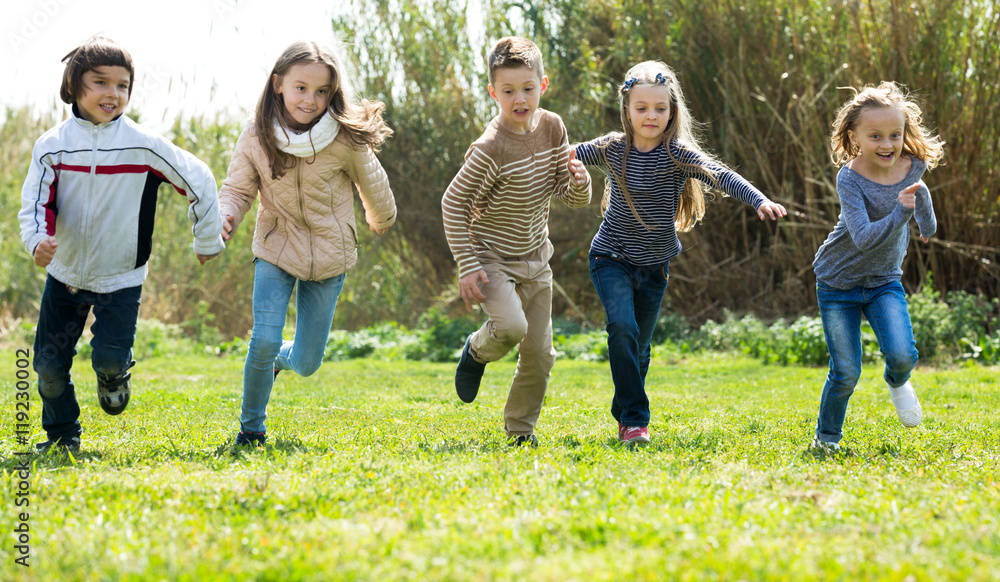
(765, 79)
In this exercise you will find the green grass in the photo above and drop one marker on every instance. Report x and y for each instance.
(375, 471)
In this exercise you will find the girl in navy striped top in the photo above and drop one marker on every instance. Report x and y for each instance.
(654, 169)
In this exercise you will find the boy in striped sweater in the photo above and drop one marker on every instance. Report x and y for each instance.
(496, 213)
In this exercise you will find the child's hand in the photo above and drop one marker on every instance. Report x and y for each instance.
(576, 169)
(205, 258)
(379, 230)
(228, 225)
(908, 196)
(772, 210)
(45, 251)
(468, 286)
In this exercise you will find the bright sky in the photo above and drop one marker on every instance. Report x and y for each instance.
(191, 56)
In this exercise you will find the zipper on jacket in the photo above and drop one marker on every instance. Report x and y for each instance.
(270, 232)
(302, 213)
(88, 213)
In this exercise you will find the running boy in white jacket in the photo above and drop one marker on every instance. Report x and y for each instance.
(87, 212)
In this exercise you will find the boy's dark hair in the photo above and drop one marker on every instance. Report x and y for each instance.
(514, 51)
(96, 51)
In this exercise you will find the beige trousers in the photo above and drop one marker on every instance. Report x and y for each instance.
(519, 306)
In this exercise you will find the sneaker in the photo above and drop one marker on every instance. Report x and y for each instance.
(468, 375)
(823, 447)
(113, 394)
(522, 440)
(251, 439)
(621, 432)
(69, 444)
(634, 434)
(906, 403)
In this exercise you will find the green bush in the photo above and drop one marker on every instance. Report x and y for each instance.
(586, 347)
(387, 341)
(984, 351)
(442, 336)
(963, 328)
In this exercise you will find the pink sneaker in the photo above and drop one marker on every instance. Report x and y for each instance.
(634, 434)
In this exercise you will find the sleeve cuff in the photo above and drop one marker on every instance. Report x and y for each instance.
(208, 247)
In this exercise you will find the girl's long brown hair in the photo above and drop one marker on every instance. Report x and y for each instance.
(362, 122)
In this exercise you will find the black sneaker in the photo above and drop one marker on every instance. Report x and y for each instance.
(468, 375)
(523, 440)
(68, 444)
(113, 394)
(251, 439)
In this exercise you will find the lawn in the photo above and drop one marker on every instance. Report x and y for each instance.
(376, 471)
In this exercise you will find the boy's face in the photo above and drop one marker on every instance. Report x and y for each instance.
(517, 90)
(104, 93)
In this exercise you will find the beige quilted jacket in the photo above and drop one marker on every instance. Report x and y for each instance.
(305, 221)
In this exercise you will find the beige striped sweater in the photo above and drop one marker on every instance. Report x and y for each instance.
(499, 201)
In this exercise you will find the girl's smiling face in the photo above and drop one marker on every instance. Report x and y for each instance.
(879, 136)
(648, 113)
(305, 90)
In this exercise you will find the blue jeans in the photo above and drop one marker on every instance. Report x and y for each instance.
(315, 302)
(631, 296)
(61, 321)
(885, 308)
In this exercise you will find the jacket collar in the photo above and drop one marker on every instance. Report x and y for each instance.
(83, 123)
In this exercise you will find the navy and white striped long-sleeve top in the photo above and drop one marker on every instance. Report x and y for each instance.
(655, 183)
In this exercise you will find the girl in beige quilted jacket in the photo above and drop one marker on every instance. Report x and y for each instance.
(304, 148)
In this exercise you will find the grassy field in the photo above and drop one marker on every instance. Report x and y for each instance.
(375, 471)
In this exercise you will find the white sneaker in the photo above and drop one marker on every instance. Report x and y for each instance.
(906, 403)
(823, 446)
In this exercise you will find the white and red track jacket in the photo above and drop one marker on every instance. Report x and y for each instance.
(94, 188)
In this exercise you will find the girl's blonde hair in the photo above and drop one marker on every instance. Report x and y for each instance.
(680, 130)
(362, 122)
(917, 140)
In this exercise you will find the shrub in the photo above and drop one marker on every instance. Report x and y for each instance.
(586, 347)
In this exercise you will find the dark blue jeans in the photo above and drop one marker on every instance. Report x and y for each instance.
(61, 320)
(885, 308)
(631, 296)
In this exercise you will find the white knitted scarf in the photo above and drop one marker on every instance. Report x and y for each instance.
(304, 145)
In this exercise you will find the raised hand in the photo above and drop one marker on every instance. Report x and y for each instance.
(908, 196)
(576, 169)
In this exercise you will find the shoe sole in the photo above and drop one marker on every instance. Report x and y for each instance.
(910, 418)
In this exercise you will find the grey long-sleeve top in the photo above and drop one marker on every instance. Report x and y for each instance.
(867, 247)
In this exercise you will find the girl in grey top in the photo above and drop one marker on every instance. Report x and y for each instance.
(884, 149)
